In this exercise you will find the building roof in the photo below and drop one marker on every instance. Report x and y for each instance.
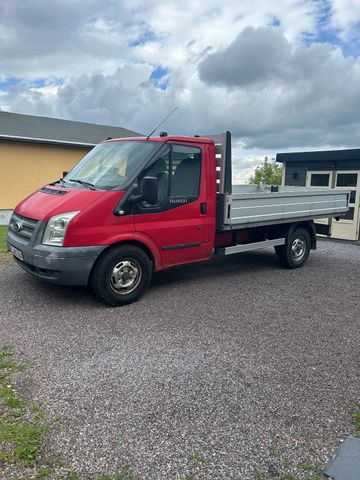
(332, 155)
(31, 128)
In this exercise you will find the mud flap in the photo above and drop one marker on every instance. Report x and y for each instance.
(322, 229)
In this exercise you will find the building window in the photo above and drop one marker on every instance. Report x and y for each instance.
(320, 179)
(346, 179)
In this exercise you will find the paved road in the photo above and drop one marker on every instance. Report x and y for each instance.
(222, 370)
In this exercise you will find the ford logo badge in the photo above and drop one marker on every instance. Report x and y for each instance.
(17, 226)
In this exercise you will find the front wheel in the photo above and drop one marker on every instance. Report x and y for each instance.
(121, 275)
(295, 253)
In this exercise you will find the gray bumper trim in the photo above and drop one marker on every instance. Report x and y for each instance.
(61, 265)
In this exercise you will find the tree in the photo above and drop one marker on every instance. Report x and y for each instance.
(269, 173)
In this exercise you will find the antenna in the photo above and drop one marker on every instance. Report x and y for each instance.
(172, 111)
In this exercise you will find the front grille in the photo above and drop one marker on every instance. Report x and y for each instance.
(22, 228)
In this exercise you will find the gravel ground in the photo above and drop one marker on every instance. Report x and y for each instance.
(222, 370)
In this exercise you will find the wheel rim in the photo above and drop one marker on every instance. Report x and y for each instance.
(298, 248)
(125, 276)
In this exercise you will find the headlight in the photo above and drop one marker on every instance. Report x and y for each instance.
(56, 228)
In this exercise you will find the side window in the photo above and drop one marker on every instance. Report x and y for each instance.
(160, 169)
(185, 171)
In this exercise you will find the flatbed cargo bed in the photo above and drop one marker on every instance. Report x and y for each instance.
(254, 205)
(245, 206)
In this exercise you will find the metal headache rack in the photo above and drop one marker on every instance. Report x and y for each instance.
(223, 161)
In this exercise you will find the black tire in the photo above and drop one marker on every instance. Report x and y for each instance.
(121, 275)
(297, 249)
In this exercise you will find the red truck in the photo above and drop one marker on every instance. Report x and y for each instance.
(132, 206)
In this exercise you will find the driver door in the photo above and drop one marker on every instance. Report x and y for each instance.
(176, 222)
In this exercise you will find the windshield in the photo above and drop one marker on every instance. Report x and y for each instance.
(110, 165)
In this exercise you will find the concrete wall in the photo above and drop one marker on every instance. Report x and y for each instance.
(25, 167)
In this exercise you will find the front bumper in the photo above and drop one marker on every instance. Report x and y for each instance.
(60, 265)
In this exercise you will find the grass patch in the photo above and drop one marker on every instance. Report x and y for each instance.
(197, 458)
(20, 439)
(3, 234)
(314, 471)
(125, 474)
(356, 417)
(7, 366)
(311, 474)
(23, 431)
(354, 410)
(5, 256)
(304, 471)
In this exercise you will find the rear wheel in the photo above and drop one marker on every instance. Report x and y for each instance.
(121, 275)
(295, 253)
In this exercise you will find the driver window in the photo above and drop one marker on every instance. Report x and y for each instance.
(186, 172)
(160, 170)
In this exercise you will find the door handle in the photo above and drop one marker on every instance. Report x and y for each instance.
(203, 208)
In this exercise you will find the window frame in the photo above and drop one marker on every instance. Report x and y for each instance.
(171, 176)
(339, 173)
(166, 204)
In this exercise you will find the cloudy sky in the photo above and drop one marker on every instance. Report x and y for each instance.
(281, 75)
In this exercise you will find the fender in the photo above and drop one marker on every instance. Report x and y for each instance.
(143, 239)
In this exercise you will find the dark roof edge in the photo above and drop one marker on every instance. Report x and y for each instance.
(67, 120)
(319, 155)
(15, 138)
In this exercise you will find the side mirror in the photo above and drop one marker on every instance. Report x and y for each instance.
(150, 190)
(64, 174)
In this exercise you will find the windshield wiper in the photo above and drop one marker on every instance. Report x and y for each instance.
(61, 181)
(88, 185)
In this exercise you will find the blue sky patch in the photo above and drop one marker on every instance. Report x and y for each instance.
(159, 77)
(331, 36)
(9, 81)
(325, 33)
(147, 36)
(328, 34)
(38, 83)
(275, 22)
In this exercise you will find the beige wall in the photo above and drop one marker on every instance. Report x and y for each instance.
(25, 167)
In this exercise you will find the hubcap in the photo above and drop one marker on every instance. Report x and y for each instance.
(125, 276)
(298, 248)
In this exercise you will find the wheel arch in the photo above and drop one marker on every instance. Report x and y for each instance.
(289, 255)
(288, 229)
(310, 228)
(102, 280)
(135, 243)
(153, 255)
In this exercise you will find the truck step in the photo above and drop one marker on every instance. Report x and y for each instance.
(249, 246)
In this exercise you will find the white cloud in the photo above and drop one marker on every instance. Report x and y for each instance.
(345, 13)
